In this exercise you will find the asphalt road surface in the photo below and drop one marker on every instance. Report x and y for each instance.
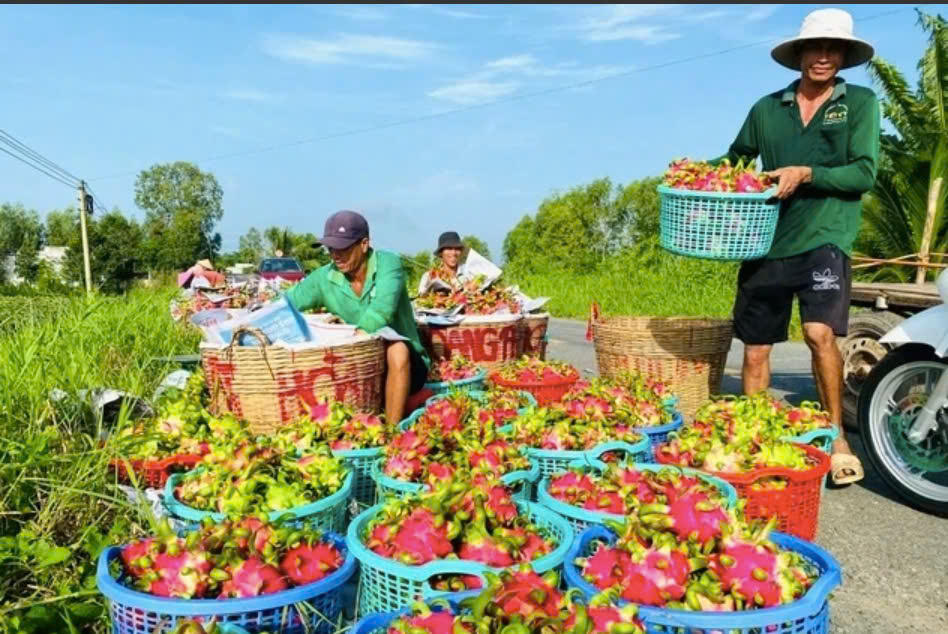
(894, 558)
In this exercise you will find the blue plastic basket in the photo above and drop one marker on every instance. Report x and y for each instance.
(387, 585)
(520, 481)
(716, 225)
(551, 461)
(475, 382)
(378, 622)
(807, 615)
(657, 434)
(360, 462)
(327, 514)
(580, 518)
(315, 607)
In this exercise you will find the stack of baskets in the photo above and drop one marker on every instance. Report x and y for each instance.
(487, 340)
(687, 353)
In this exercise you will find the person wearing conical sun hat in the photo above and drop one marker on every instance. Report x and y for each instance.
(818, 140)
(450, 248)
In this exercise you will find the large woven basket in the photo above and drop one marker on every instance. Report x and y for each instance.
(270, 386)
(535, 336)
(487, 340)
(688, 353)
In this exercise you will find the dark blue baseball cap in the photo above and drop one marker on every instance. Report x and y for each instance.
(343, 229)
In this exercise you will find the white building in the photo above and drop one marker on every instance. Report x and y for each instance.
(55, 256)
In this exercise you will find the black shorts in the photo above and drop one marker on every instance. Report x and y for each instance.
(821, 279)
(419, 371)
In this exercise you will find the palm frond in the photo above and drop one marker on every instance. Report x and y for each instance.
(899, 104)
(933, 72)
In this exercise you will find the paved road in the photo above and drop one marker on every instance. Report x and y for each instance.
(894, 559)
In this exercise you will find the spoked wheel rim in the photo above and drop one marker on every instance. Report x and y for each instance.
(901, 394)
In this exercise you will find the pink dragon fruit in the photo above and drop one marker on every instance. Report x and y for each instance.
(658, 576)
(757, 574)
(251, 578)
(310, 562)
(693, 516)
(479, 545)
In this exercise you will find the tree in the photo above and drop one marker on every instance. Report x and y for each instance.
(913, 158)
(473, 242)
(182, 207)
(250, 246)
(115, 252)
(18, 225)
(27, 263)
(61, 226)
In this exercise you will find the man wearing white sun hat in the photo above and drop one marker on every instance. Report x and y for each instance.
(818, 138)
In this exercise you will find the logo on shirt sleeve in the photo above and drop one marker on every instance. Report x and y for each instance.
(836, 114)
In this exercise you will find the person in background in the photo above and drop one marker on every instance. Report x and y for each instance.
(365, 287)
(818, 138)
(449, 251)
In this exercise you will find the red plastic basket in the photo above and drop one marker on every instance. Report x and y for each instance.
(153, 473)
(797, 506)
(545, 393)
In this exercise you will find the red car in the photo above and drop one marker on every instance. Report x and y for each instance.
(287, 268)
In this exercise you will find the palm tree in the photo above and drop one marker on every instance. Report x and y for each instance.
(912, 159)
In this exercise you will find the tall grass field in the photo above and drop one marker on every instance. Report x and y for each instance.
(59, 507)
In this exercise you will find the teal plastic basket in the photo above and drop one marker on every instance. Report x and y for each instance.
(580, 519)
(551, 461)
(475, 382)
(520, 481)
(822, 439)
(328, 514)
(717, 225)
(387, 585)
(359, 462)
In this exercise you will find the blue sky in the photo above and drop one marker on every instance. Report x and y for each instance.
(107, 91)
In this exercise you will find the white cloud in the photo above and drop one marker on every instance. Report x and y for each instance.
(471, 91)
(761, 12)
(513, 62)
(347, 48)
(251, 95)
(627, 22)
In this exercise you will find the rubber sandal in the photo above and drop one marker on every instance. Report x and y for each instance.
(843, 462)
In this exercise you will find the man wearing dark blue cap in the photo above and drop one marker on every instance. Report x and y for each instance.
(365, 287)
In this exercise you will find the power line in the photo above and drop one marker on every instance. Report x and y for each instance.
(485, 104)
(39, 169)
(29, 152)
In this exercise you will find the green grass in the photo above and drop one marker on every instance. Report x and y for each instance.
(664, 285)
(58, 505)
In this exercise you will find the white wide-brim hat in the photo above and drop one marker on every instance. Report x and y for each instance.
(833, 24)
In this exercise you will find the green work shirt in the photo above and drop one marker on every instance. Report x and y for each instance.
(384, 300)
(840, 144)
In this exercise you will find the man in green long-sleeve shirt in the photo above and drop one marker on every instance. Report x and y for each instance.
(365, 287)
(819, 139)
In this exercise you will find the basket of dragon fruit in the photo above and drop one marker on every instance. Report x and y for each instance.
(717, 212)
(547, 381)
(777, 479)
(629, 398)
(745, 579)
(442, 540)
(507, 404)
(459, 408)
(193, 626)
(455, 373)
(171, 441)
(515, 601)
(457, 431)
(687, 499)
(239, 573)
(355, 437)
(553, 438)
(258, 478)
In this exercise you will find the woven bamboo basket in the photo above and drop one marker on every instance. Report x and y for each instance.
(688, 353)
(488, 340)
(270, 386)
(535, 340)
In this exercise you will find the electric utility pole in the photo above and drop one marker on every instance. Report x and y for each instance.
(85, 206)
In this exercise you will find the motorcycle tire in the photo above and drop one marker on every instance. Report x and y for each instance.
(875, 434)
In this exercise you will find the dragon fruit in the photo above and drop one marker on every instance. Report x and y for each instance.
(723, 177)
(252, 577)
(307, 563)
(479, 545)
(693, 516)
(421, 538)
(533, 370)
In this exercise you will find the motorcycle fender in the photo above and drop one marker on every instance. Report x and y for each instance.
(928, 327)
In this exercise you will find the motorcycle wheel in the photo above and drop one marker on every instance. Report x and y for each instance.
(894, 392)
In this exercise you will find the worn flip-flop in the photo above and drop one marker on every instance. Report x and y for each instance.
(841, 463)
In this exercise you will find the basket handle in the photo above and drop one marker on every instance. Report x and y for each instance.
(465, 568)
(594, 314)
(259, 336)
(617, 445)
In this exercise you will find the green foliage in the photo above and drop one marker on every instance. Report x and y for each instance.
(182, 207)
(578, 230)
(473, 242)
(18, 226)
(27, 264)
(59, 506)
(61, 226)
(895, 211)
(115, 251)
(250, 247)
